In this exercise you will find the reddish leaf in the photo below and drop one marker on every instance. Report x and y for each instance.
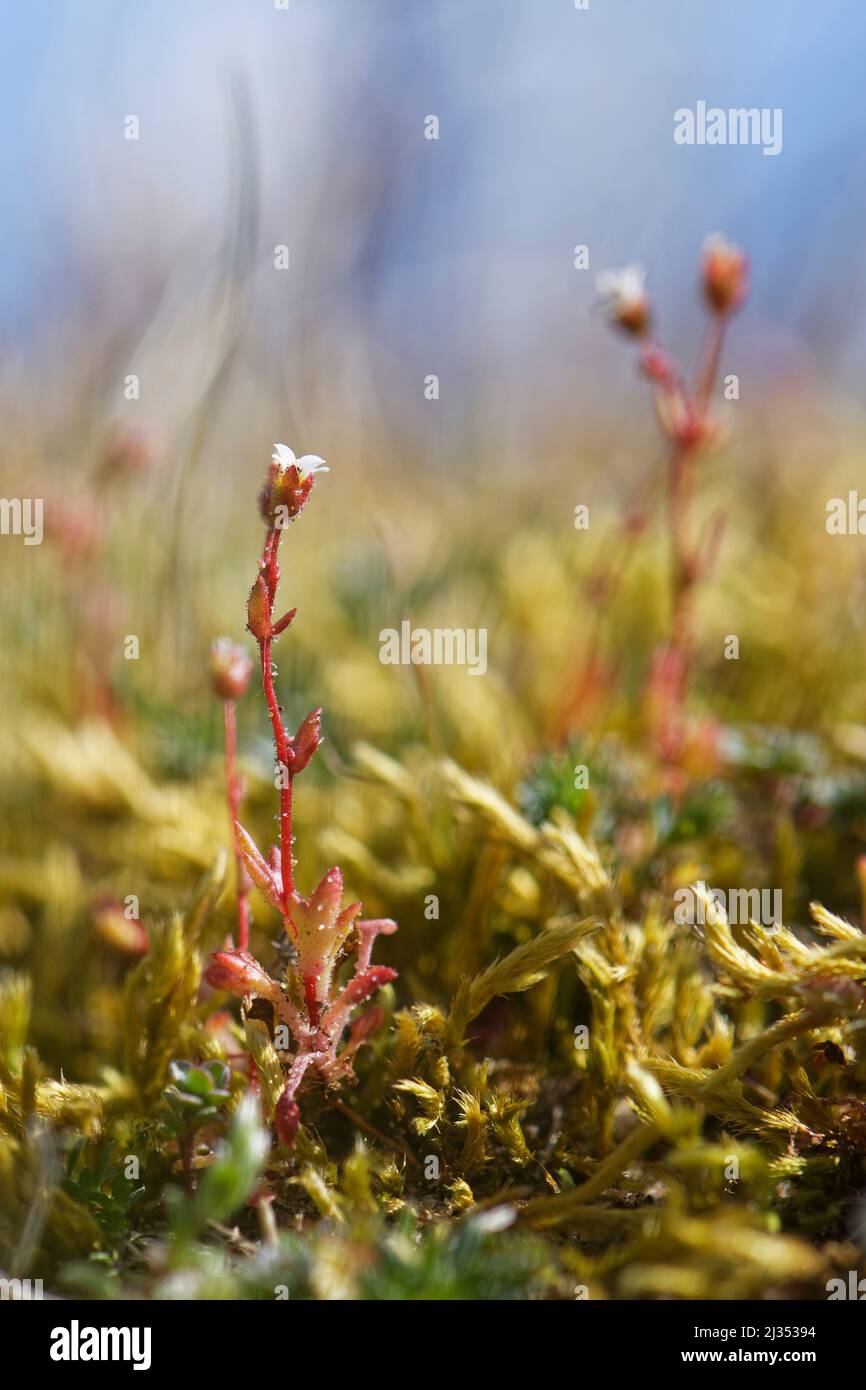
(365, 984)
(306, 740)
(258, 610)
(257, 866)
(282, 623)
(240, 973)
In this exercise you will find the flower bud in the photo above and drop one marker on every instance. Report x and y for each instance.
(288, 485)
(259, 610)
(725, 274)
(284, 495)
(230, 668)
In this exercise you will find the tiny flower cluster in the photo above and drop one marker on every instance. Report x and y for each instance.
(683, 412)
(724, 279)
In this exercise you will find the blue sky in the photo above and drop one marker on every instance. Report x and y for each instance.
(556, 128)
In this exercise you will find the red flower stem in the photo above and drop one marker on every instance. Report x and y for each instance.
(233, 793)
(602, 585)
(271, 572)
(685, 561)
(709, 365)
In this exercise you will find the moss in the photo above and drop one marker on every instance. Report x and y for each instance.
(571, 1092)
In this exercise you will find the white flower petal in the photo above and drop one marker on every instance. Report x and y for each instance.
(717, 241)
(622, 289)
(283, 455)
(311, 463)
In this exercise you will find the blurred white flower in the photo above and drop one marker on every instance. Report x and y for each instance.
(625, 299)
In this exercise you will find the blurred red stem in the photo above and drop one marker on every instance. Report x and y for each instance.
(709, 364)
(685, 561)
(233, 792)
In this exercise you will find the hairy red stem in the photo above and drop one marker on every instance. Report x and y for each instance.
(271, 573)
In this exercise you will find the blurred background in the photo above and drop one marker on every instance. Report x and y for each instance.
(260, 127)
(305, 127)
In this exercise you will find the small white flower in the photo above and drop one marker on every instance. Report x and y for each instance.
(623, 290)
(717, 244)
(307, 464)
